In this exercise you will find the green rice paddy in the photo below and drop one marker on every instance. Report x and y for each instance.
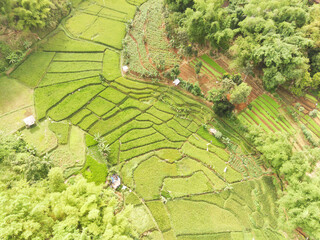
(182, 182)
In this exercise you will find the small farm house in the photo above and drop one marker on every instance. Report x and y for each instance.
(125, 69)
(29, 121)
(176, 82)
(115, 181)
(213, 131)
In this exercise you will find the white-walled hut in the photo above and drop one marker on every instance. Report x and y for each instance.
(29, 121)
(176, 82)
(125, 69)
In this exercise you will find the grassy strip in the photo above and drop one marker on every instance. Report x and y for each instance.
(311, 98)
(142, 141)
(195, 184)
(127, 155)
(55, 78)
(188, 166)
(262, 114)
(114, 122)
(90, 141)
(94, 171)
(260, 105)
(149, 117)
(203, 132)
(169, 133)
(160, 214)
(212, 160)
(203, 144)
(75, 119)
(193, 127)
(33, 68)
(105, 31)
(88, 121)
(121, 131)
(159, 114)
(113, 95)
(193, 213)
(256, 120)
(164, 107)
(61, 43)
(111, 113)
(135, 84)
(100, 106)
(111, 65)
(135, 134)
(133, 103)
(61, 129)
(178, 128)
(48, 96)
(270, 100)
(79, 57)
(73, 67)
(131, 90)
(149, 176)
(213, 64)
(74, 102)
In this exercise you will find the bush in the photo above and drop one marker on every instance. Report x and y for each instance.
(223, 108)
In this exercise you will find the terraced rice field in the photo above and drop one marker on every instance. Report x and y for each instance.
(182, 182)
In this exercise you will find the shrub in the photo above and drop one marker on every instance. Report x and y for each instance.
(223, 108)
(314, 113)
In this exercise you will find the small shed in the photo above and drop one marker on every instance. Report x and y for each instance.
(213, 131)
(176, 82)
(115, 181)
(29, 121)
(125, 69)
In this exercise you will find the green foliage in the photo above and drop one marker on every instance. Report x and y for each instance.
(275, 147)
(61, 129)
(74, 102)
(94, 171)
(111, 65)
(29, 74)
(301, 204)
(180, 5)
(21, 160)
(240, 93)
(27, 14)
(223, 108)
(90, 141)
(45, 214)
(300, 163)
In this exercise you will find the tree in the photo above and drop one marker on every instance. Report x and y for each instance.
(179, 5)
(316, 80)
(314, 113)
(81, 211)
(275, 147)
(300, 163)
(240, 93)
(223, 108)
(198, 67)
(300, 207)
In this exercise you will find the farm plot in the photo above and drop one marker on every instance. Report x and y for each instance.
(146, 49)
(265, 113)
(101, 21)
(209, 67)
(183, 182)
